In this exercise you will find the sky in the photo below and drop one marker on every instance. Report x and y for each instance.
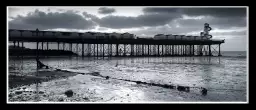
(229, 23)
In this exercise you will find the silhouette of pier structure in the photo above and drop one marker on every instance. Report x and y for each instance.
(115, 47)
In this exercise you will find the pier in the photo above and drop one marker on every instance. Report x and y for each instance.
(116, 47)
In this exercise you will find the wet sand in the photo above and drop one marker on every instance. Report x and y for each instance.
(153, 77)
(91, 88)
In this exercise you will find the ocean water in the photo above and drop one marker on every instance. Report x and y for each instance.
(224, 77)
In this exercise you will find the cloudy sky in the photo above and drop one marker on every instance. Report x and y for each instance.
(227, 23)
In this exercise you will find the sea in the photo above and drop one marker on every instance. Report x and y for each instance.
(224, 77)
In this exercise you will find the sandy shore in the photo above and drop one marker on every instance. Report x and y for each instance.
(89, 88)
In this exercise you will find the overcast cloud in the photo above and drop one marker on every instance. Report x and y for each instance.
(106, 10)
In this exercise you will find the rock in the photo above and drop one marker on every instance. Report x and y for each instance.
(95, 73)
(183, 88)
(41, 92)
(107, 77)
(204, 91)
(18, 92)
(24, 88)
(85, 98)
(61, 99)
(10, 95)
(69, 93)
(127, 94)
(138, 82)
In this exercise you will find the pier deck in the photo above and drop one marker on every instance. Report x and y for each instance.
(124, 47)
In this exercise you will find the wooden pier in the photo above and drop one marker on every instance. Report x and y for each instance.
(95, 47)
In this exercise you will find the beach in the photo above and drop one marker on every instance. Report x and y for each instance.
(223, 77)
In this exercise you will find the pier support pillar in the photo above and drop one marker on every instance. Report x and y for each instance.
(124, 50)
(14, 42)
(148, 50)
(22, 45)
(103, 50)
(58, 45)
(42, 45)
(18, 44)
(47, 45)
(193, 50)
(89, 49)
(77, 49)
(94, 50)
(117, 49)
(142, 50)
(132, 49)
(190, 50)
(97, 51)
(82, 49)
(70, 45)
(210, 51)
(172, 50)
(37, 45)
(111, 50)
(219, 51)
(162, 50)
(158, 50)
(63, 46)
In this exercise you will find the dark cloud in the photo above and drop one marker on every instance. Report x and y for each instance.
(161, 10)
(42, 20)
(139, 21)
(105, 10)
(220, 17)
(216, 12)
(213, 21)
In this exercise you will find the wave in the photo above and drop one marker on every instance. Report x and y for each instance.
(242, 56)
